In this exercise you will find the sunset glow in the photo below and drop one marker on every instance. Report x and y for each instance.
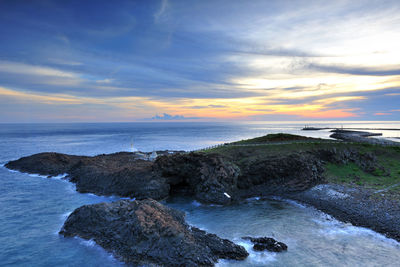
(205, 60)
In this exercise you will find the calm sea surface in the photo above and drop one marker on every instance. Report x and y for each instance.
(33, 208)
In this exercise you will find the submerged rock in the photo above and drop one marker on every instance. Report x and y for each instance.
(148, 233)
(266, 243)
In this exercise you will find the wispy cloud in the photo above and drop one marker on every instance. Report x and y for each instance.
(224, 60)
(382, 113)
(160, 14)
(25, 69)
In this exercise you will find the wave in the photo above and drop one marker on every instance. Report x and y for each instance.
(91, 244)
(291, 202)
(255, 258)
(196, 203)
(334, 227)
(253, 198)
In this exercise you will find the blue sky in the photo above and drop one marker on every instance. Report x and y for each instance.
(201, 60)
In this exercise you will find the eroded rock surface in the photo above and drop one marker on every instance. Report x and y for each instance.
(147, 232)
(121, 174)
(208, 177)
(293, 172)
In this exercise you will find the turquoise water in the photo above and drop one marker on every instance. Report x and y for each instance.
(33, 208)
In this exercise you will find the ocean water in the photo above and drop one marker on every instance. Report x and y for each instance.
(33, 208)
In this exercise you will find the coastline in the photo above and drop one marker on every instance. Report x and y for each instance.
(355, 205)
(293, 170)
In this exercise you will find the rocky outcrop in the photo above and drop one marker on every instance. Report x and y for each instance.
(49, 164)
(208, 177)
(293, 172)
(148, 233)
(361, 137)
(366, 161)
(266, 243)
(122, 174)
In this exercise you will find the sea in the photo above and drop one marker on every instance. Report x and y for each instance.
(33, 208)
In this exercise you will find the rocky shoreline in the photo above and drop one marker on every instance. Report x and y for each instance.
(356, 205)
(215, 177)
(148, 233)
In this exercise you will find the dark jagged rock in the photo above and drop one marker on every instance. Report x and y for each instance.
(121, 174)
(147, 232)
(210, 178)
(50, 164)
(293, 172)
(266, 243)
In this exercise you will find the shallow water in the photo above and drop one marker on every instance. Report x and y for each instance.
(313, 238)
(33, 208)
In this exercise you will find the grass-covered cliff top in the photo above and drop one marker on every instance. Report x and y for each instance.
(384, 174)
(279, 137)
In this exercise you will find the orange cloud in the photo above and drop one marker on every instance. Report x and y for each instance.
(325, 114)
(382, 113)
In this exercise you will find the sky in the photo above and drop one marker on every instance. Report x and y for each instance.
(104, 61)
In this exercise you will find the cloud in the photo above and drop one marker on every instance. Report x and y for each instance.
(208, 106)
(202, 60)
(105, 81)
(382, 114)
(168, 117)
(25, 69)
(357, 70)
(160, 14)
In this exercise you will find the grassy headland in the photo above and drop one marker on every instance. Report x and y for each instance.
(377, 167)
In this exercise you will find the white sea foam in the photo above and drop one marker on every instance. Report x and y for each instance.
(196, 203)
(125, 198)
(64, 216)
(254, 258)
(333, 227)
(60, 177)
(290, 201)
(88, 243)
(253, 198)
(37, 175)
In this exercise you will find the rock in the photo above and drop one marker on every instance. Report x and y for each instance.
(51, 164)
(121, 174)
(210, 178)
(366, 161)
(148, 233)
(293, 172)
(266, 243)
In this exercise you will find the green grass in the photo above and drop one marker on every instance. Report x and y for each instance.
(245, 152)
(350, 173)
(279, 137)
